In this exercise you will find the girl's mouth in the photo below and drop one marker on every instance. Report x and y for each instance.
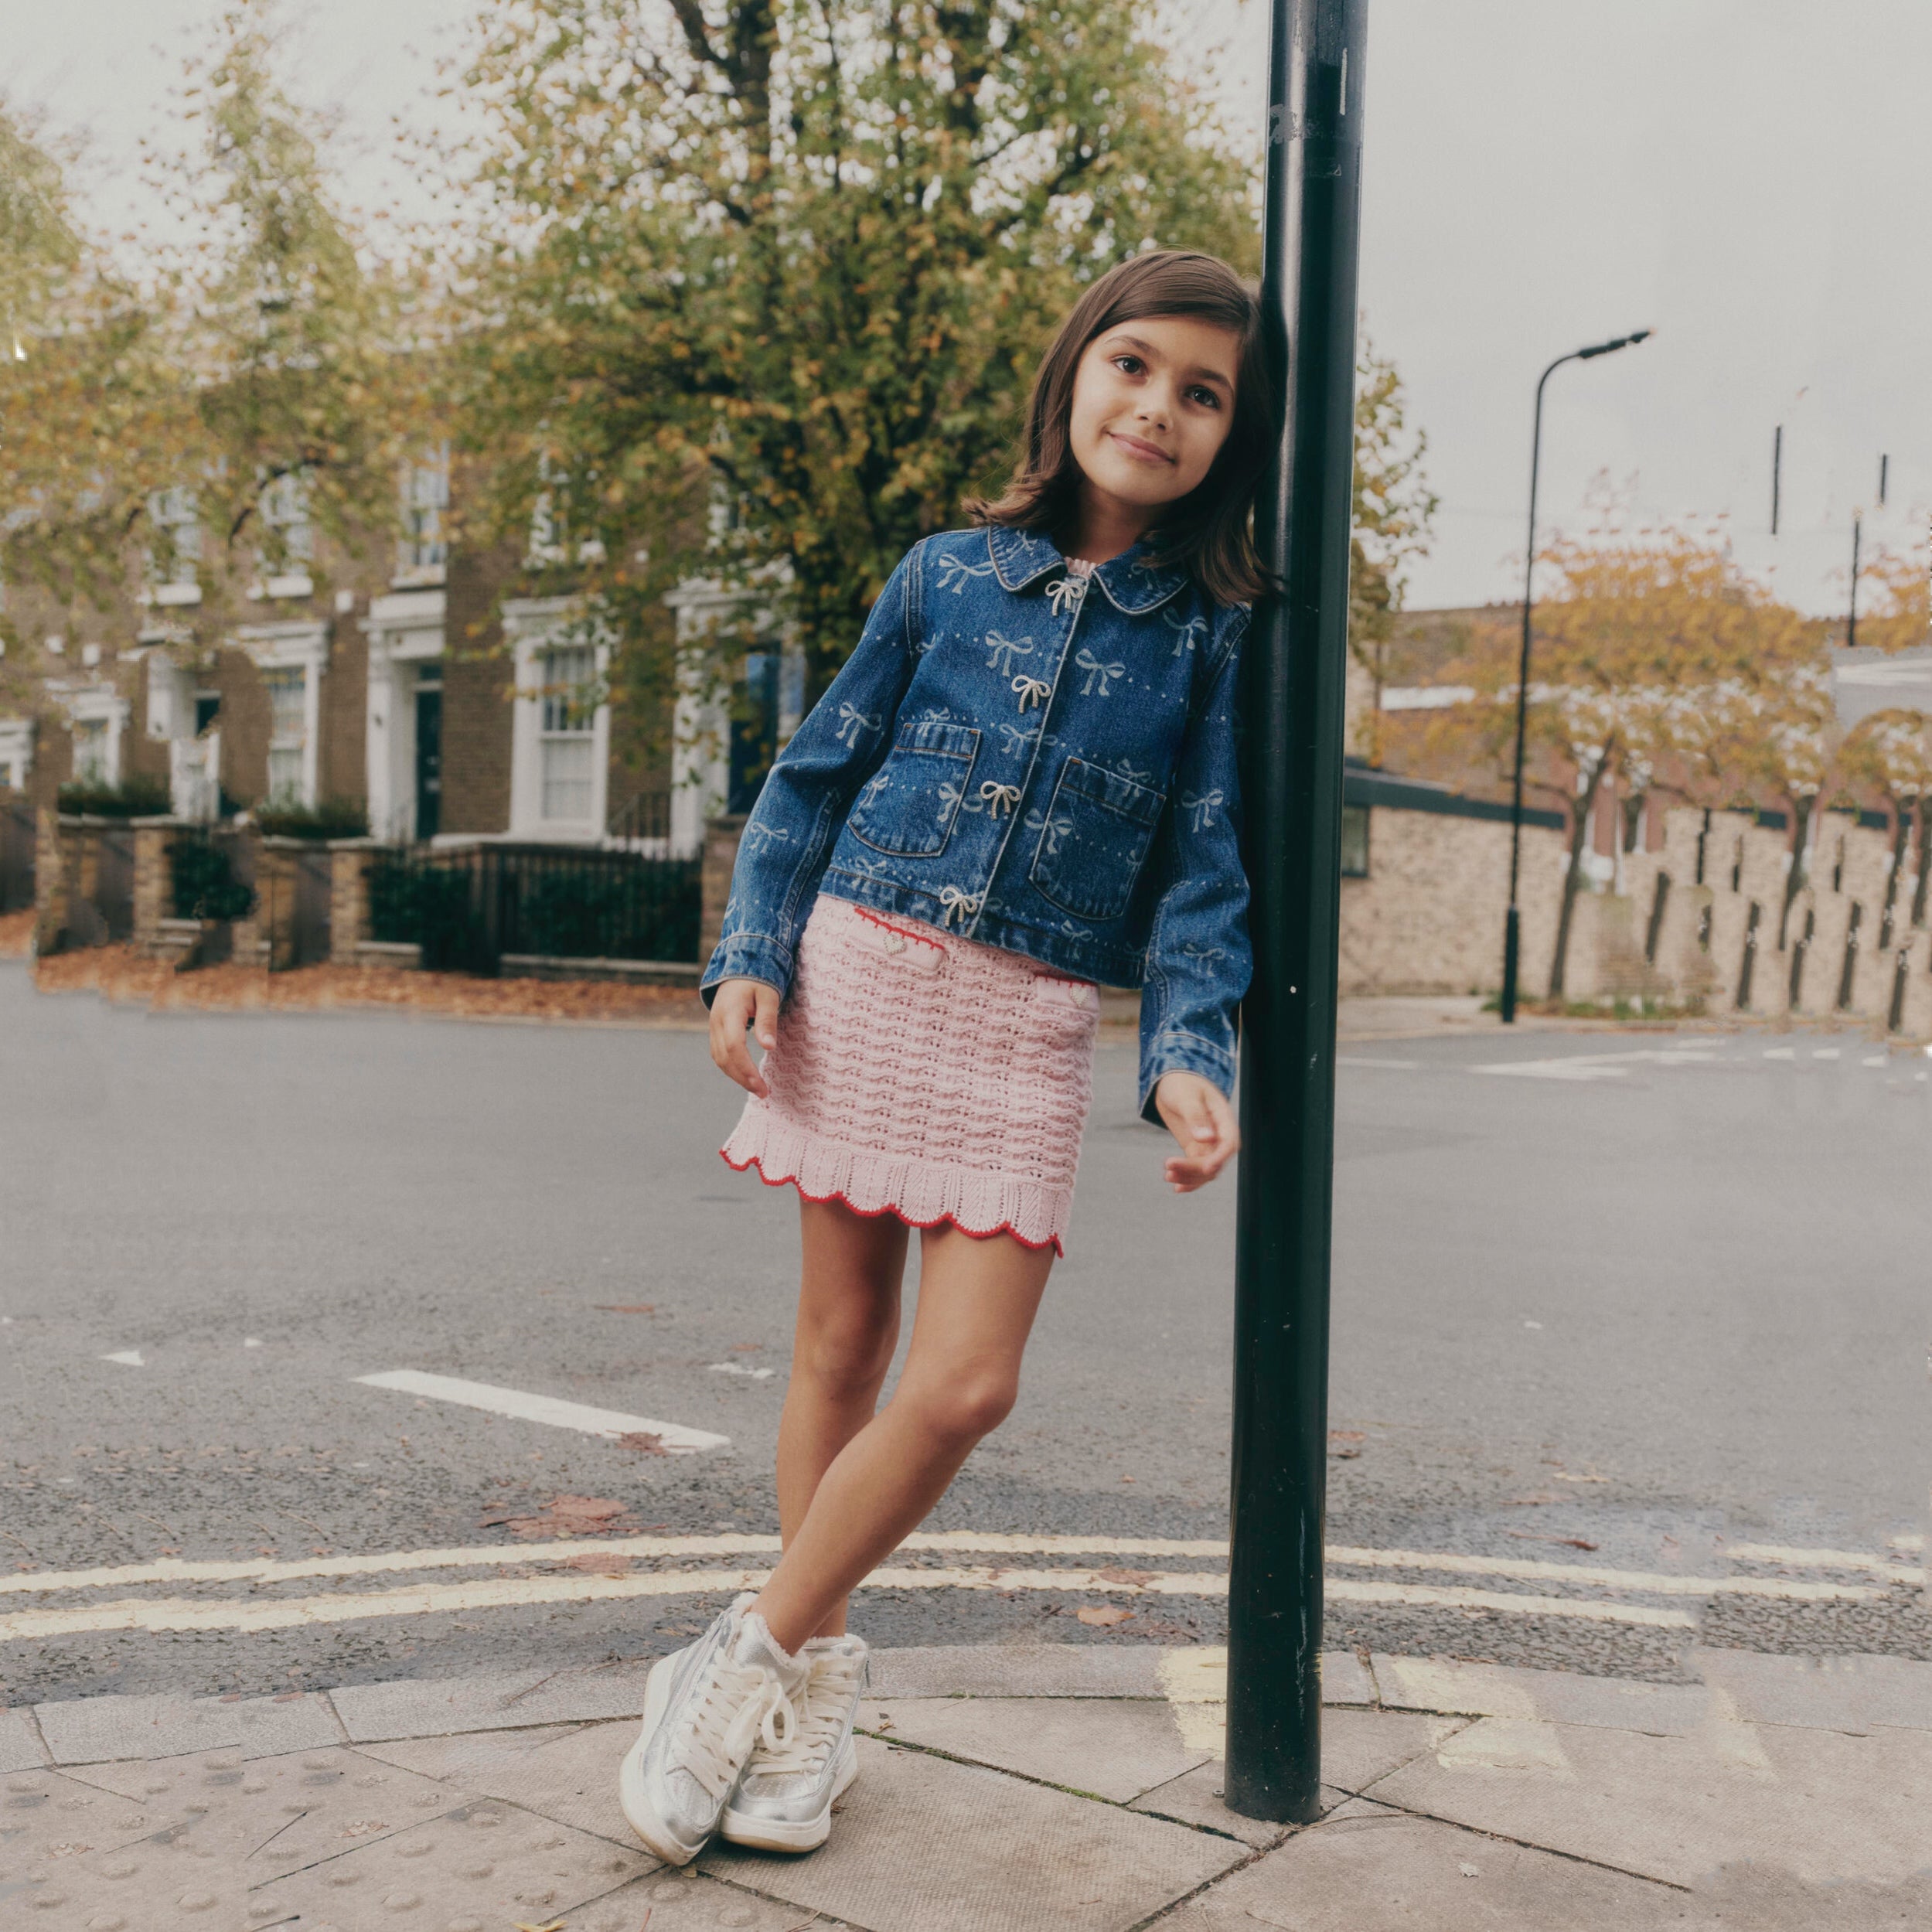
(1140, 452)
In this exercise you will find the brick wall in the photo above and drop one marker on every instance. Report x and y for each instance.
(477, 679)
(340, 768)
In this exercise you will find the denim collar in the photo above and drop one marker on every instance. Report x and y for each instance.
(1132, 584)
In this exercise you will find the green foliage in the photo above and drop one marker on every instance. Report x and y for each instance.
(139, 798)
(649, 912)
(411, 903)
(772, 279)
(204, 885)
(332, 819)
(1393, 509)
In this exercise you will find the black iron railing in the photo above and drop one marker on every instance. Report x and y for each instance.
(16, 857)
(469, 906)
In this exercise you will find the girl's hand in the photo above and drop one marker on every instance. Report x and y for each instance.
(741, 1004)
(1197, 1116)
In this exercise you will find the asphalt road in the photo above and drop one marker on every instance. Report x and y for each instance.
(1635, 1345)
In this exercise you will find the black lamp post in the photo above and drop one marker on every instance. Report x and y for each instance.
(1294, 669)
(1512, 931)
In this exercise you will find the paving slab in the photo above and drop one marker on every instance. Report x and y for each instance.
(690, 1902)
(1502, 1690)
(1112, 1748)
(267, 1816)
(1198, 1798)
(1821, 1693)
(993, 1854)
(439, 1707)
(1079, 1670)
(72, 1849)
(20, 1746)
(475, 1869)
(568, 1773)
(1365, 1868)
(1813, 1805)
(93, 1730)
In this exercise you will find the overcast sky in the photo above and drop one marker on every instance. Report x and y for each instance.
(1746, 177)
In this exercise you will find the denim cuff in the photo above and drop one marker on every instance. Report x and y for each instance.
(1187, 1053)
(748, 956)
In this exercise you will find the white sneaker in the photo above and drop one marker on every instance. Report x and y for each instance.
(784, 1801)
(706, 1708)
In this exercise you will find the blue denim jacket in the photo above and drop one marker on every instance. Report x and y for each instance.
(1040, 763)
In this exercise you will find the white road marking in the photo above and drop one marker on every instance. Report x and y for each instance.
(738, 1368)
(1580, 1067)
(129, 1357)
(179, 1613)
(543, 1408)
(1360, 1060)
(1833, 1559)
(251, 1341)
(1872, 1060)
(1780, 1053)
(1824, 1053)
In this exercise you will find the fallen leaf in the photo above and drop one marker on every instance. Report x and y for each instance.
(645, 1442)
(1564, 1476)
(599, 1563)
(1469, 1871)
(555, 1925)
(626, 1307)
(1114, 1574)
(1103, 1614)
(746, 1347)
(1568, 1543)
(1529, 1502)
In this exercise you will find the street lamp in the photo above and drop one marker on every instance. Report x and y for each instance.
(1512, 931)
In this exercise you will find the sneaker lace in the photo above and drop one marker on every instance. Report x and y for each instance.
(736, 1707)
(808, 1741)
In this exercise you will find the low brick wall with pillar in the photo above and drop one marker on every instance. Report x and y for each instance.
(254, 934)
(52, 882)
(721, 836)
(348, 863)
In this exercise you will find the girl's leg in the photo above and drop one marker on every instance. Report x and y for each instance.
(848, 1326)
(977, 1300)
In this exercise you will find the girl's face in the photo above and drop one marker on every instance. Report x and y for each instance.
(1154, 400)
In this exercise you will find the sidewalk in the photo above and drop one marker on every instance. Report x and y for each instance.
(1071, 1789)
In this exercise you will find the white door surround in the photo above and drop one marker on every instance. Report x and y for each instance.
(406, 632)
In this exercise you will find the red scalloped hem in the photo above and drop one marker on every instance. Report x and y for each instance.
(872, 1214)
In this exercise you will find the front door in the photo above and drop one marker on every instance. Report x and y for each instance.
(429, 759)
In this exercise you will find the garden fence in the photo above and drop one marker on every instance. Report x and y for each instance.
(16, 857)
(467, 906)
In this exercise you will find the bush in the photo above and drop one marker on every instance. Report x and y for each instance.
(332, 819)
(424, 904)
(206, 886)
(139, 798)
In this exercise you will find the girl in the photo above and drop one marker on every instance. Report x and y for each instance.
(1021, 783)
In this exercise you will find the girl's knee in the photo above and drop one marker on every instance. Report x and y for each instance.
(962, 1409)
(849, 1352)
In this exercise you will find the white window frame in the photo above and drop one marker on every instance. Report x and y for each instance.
(100, 704)
(295, 647)
(535, 626)
(424, 489)
(176, 508)
(406, 634)
(16, 752)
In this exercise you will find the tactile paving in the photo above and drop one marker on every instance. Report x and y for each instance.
(478, 1869)
(681, 1902)
(265, 1817)
(74, 1858)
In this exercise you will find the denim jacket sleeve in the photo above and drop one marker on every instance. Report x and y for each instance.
(1198, 957)
(791, 831)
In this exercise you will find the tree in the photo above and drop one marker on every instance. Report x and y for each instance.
(254, 379)
(1653, 653)
(765, 283)
(1393, 511)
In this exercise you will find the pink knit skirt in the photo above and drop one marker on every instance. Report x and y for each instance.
(922, 1075)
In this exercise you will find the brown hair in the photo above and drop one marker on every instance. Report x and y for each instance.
(1208, 532)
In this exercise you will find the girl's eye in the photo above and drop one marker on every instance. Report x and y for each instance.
(1127, 365)
(1210, 397)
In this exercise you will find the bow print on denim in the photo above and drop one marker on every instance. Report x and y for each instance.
(1085, 659)
(1032, 690)
(1002, 652)
(1054, 830)
(1066, 594)
(955, 573)
(1186, 630)
(1202, 807)
(955, 905)
(852, 720)
(999, 798)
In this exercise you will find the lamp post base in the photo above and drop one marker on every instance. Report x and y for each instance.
(1511, 942)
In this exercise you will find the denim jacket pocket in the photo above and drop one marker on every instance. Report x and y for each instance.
(1095, 840)
(909, 809)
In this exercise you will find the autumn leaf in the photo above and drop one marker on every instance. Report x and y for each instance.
(1103, 1615)
(1140, 1578)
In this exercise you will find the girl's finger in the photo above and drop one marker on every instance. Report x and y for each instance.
(766, 1021)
